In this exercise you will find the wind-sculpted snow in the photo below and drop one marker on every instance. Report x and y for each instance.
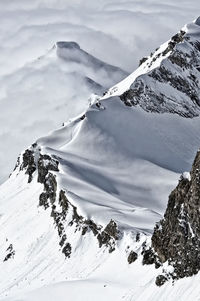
(40, 96)
(104, 174)
(119, 33)
(82, 202)
(72, 52)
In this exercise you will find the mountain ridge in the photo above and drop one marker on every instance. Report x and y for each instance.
(94, 189)
(174, 64)
(60, 88)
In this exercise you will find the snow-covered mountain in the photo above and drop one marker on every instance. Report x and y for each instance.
(167, 80)
(42, 94)
(79, 210)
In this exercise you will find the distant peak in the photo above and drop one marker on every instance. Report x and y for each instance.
(197, 21)
(68, 45)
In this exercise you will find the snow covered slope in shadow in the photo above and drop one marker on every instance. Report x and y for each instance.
(105, 174)
(98, 70)
(40, 96)
(82, 202)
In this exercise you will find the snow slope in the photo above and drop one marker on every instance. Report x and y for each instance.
(41, 95)
(105, 174)
(73, 209)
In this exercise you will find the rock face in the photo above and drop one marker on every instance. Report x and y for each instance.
(132, 257)
(174, 66)
(29, 163)
(63, 212)
(176, 238)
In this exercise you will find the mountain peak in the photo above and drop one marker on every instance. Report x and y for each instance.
(71, 51)
(99, 183)
(197, 21)
(67, 44)
(168, 80)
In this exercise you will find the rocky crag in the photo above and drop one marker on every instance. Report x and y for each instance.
(176, 66)
(176, 238)
(63, 212)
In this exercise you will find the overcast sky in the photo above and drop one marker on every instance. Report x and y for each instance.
(118, 32)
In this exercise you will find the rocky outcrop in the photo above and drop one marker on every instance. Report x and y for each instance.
(45, 164)
(160, 280)
(178, 68)
(132, 257)
(28, 163)
(176, 39)
(63, 212)
(10, 253)
(176, 237)
(108, 236)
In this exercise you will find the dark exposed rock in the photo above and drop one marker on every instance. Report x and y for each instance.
(59, 204)
(160, 280)
(179, 72)
(63, 239)
(59, 217)
(84, 230)
(144, 59)
(47, 199)
(29, 163)
(112, 230)
(180, 59)
(183, 85)
(177, 38)
(64, 203)
(132, 257)
(176, 238)
(137, 238)
(108, 236)
(67, 250)
(17, 164)
(50, 186)
(49, 193)
(43, 200)
(92, 226)
(148, 256)
(76, 217)
(82, 117)
(46, 163)
(11, 253)
(197, 45)
(67, 45)
(98, 104)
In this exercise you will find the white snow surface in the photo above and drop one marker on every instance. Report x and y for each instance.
(129, 29)
(186, 175)
(120, 163)
(114, 162)
(38, 97)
